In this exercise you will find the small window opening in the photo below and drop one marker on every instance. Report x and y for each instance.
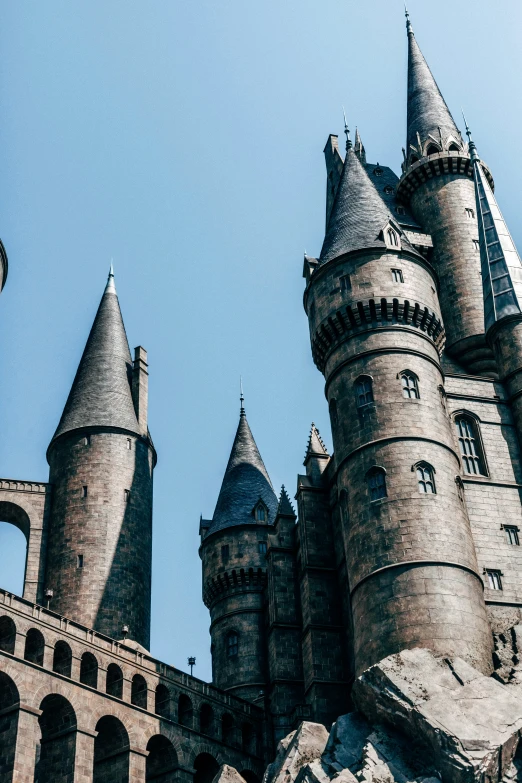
(388, 190)
(260, 513)
(397, 276)
(378, 172)
(79, 561)
(84, 492)
(262, 547)
(400, 210)
(476, 245)
(232, 644)
(470, 212)
(377, 484)
(432, 150)
(453, 148)
(410, 386)
(426, 479)
(392, 237)
(512, 535)
(87, 440)
(126, 495)
(346, 283)
(494, 579)
(225, 552)
(129, 444)
(364, 391)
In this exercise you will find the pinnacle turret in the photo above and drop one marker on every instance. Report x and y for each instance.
(245, 483)
(285, 507)
(359, 147)
(101, 394)
(500, 261)
(429, 118)
(315, 446)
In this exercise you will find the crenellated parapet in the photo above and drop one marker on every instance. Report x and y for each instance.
(420, 170)
(228, 582)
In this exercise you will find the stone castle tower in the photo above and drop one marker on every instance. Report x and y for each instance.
(407, 536)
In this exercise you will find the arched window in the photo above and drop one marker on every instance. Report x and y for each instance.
(232, 644)
(185, 711)
(470, 445)
(260, 512)
(206, 719)
(377, 483)
(364, 390)
(114, 685)
(162, 760)
(410, 385)
(453, 148)
(62, 659)
(7, 635)
(425, 478)
(393, 239)
(89, 670)
(139, 691)
(34, 647)
(162, 701)
(111, 751)
(56, 757)
(432, 150)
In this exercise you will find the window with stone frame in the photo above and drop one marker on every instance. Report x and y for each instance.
(512, 535)
(470, 445)
(476, 245)
(260, 512)
(470, 212)
(232, 641)
(393, 239)
(376, 478)
(397, 276)
(410, 385)
(425, 478)
(262, 547)
(364, 390)
(494, 577)
(345, 283)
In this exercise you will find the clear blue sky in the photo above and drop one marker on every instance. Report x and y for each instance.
(184, 140)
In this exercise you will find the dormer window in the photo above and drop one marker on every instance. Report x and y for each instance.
(432, 150)
(260, 512)
(378, 172)
(388, 190)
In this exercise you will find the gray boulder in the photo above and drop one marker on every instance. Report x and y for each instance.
(295, 751)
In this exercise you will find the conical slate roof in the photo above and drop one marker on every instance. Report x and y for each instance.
(500, 261)
(245, 483)
(101, 395)
(427, 109)
(358, 215)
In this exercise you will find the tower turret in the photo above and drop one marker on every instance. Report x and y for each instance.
(233, 552)
(502, 285)
(101, 461)
(376, 333)
(437, 184)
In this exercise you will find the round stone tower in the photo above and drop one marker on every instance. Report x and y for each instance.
(376, 334)
(233, 553)
(437, 183)
(101, 460)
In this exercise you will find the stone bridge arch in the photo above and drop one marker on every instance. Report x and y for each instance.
(26, 504)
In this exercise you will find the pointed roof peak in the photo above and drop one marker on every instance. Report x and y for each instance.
(245, 482)
(110, 288)
(428, 113)
(358, 215)
(359, 147)
(100, 395)
(500, 262)
(285, 507)
(315, 446)
(409, 28)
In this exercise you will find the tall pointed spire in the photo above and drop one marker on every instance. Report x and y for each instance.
(428, 114)
(101, 394)
(358, 215)
(245, 483)
(500, 261)
(359, 147)
(285, 507)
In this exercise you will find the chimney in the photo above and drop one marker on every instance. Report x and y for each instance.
(140, 387)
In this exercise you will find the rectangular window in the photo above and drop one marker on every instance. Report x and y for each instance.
(87, 440)
(126, 495)
(397, 276)
(470, 212)
(476, 245)
(400, 210)
(262, 547)
(494, 579)
(84, 492)
(225, 552)
(79, 561)
(346, 283)
(512, 535)
(129, 444)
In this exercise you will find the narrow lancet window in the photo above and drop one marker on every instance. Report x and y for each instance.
(425, 478)
(364, 390)
(377, 483)
(410, 385)
(470, 446)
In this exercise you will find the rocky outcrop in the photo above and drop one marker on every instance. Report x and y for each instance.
(227, 774)
(421, 719)
(506, 658)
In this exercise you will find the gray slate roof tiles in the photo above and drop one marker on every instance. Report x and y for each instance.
(244, 483)
(100, 395)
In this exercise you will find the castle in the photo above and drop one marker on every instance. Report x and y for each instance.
(407, 536)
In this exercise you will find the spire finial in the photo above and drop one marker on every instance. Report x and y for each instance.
(110, 280)
(241, 397)
(347, 132)
(409, 28)
(471, 144)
